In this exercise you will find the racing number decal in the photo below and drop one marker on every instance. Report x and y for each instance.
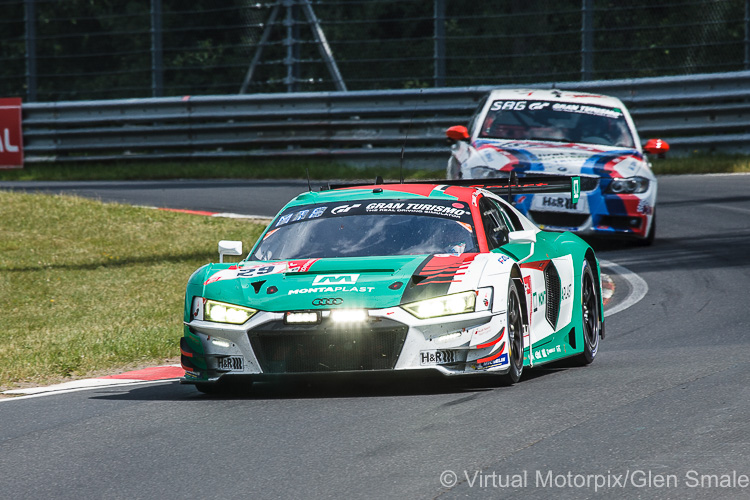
(255, 271)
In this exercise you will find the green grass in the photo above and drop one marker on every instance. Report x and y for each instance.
(702, 164)
(88, 287)
(226, 169)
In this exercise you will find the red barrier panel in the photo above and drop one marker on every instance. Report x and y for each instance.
(11, 136)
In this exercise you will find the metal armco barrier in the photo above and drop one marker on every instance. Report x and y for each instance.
(699, 112)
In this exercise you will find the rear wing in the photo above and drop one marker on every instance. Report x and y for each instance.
(526, 184)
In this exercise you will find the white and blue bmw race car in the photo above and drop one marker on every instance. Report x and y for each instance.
(569, 133)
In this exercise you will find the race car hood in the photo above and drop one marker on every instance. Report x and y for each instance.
(559, 158)
(337, 283)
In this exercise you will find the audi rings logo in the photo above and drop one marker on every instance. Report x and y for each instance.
(328, 302)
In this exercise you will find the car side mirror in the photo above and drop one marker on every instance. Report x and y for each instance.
(228, 247)
(656, 147)
(522, 237)
(458, 133)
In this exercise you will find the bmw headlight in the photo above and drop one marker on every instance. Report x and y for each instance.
(220, 312)
(457, 303)
(628, 185)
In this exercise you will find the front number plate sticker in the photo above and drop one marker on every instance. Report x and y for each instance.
(231, 363)
(436, 357)
(559, 203)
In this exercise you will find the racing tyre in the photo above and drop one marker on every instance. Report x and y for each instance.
(515, 336)
(590, 315)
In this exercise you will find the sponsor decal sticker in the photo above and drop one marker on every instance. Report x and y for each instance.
(436, 357)
(500, 361)
(332, 289)
(259, 270)
(335, 279)
(335, 301)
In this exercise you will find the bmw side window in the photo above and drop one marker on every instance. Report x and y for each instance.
(477, 111)
(495, 227)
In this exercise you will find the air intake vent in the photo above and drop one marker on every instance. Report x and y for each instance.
(552, 281)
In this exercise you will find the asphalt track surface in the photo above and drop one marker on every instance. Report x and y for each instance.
(663, 412)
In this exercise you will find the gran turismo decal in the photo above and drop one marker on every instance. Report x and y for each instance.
(259, 270)
(417, 208)
(342, 209)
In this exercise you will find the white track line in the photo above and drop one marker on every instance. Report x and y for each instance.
(638, 287)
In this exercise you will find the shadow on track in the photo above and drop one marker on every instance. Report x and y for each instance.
(330, 386)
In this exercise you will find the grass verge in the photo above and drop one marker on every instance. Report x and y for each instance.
(226, 169)
(702, 164)
(89, 287)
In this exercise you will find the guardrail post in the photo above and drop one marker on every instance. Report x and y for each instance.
(440, 43)
(157, 52)
(587, 39)
(31, 74)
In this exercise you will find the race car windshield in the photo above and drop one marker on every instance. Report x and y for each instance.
(361, 230)
(557, 121)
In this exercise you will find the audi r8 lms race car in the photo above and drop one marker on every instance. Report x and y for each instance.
(394, 277)
(564, 132)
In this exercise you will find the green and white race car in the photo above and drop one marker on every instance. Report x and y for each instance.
(442, 276)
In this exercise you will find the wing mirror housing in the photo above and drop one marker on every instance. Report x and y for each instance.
(656, 147)
(228, 247)
(458, 133)
(522, 237)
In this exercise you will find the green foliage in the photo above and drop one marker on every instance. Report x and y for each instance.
(229, 169)
(102, 49)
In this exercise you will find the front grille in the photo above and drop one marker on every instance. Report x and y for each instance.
(328, 348)
(559, 219)
(552, 281)
(589, 183)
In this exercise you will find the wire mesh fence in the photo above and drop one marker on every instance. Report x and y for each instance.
(82, 50)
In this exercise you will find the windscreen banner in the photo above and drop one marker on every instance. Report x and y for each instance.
(11, 136)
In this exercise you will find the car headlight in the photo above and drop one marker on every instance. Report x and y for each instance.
(219, 312)
(457, 303)
(628, 185)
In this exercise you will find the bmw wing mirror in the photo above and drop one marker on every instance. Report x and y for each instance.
(656, 147)
(228, 247)
(458, 133)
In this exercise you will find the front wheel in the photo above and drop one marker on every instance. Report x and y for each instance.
(591, 323)
(515, 336)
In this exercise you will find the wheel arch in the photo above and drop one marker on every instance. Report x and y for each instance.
(517, 277)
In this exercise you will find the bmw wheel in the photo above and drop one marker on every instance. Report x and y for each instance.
(590, 315)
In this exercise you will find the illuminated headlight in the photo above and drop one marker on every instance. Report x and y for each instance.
(457, 303)
(219, 312)
(301, 317)
(348, 315)
(628, 185)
